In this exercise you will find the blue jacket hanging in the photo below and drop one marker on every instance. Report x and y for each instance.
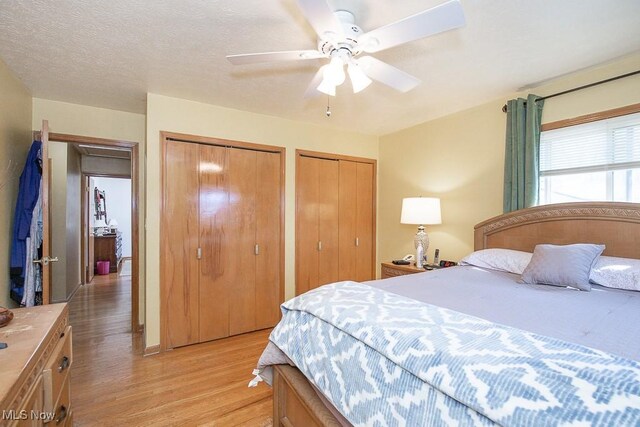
(28, 192)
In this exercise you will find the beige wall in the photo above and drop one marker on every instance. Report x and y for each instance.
(83, 120)
(74, 226)
(460, 158)
(178, 115)
(15, 140)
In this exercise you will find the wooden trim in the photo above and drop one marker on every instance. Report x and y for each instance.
(588, 118)
(197, 139)
(45, 137)
(135, 227)
(182, 137)
(614, 224)
(333, 156)
(337, 157)
(151, 350)
(89, 140)
(295, 402)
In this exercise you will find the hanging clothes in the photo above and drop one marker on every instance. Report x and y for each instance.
(28, 194)
(32, 274)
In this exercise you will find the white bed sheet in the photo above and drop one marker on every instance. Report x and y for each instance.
(605, 319)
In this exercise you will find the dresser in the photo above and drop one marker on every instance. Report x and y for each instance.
(35, 368)
(108, 248)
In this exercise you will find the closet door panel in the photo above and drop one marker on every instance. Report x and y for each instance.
(214, 269)
(347, 220)
(241, 227)
(307, 224)
(364, 226)
(180, 244)
(328, 220)
(268, 209)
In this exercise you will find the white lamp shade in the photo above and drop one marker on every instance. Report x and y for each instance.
(99, 223)
(421, 210)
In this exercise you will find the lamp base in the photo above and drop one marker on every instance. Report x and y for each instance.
(422, 239)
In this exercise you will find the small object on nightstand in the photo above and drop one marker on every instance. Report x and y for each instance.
(401, 262)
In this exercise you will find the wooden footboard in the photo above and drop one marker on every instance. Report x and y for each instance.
(295, 403)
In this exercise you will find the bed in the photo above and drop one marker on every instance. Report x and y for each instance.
(535, 322)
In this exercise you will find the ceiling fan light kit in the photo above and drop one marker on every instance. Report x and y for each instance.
(342, 42)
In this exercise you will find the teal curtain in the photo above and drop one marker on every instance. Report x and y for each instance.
(522, 153)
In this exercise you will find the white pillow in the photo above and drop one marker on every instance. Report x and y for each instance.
(619, 273)
(499, 259)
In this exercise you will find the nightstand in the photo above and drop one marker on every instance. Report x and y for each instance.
(391, 270)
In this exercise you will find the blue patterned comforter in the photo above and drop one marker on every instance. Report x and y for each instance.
(386, 360)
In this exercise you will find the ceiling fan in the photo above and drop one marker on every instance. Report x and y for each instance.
(342, 42)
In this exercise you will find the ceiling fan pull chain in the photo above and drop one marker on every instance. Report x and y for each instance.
(328, 106)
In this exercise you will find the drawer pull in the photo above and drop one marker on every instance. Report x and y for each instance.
(64, 364)
(62, 414)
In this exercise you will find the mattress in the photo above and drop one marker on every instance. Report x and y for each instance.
(605, 319)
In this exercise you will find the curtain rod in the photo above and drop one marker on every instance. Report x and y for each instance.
(504, 108)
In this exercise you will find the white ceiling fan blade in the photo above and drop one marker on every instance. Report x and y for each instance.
(388, 75)
(312, 90)
(444, 17)
(321, 17)
(292, 55)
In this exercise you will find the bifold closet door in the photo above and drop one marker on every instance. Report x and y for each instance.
(364, 222)
(241, 233)
(214, 256)
(317, 223)
(348, 188)
(356, 221)
(268, 239)
(180, 244)
(307, 224)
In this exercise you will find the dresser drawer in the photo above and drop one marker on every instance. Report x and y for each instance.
(32, 405)
(56, 370)
(63, 407)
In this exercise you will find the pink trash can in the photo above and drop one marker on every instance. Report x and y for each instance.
(103, 267)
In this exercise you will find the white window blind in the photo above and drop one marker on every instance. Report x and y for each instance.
(603, 145)
(593, 161)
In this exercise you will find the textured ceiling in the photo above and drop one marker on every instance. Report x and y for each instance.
(111, 53)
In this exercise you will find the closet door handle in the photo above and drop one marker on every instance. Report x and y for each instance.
(199, 253)
(257, 250)
(357, 242)
(319, 245)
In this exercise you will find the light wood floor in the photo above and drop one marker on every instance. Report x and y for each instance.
(112, 384)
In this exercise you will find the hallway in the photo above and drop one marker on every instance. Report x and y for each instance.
(112, 384)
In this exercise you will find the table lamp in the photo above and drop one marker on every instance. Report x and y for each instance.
(420, 211)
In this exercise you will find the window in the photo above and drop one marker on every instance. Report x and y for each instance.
(597, 161)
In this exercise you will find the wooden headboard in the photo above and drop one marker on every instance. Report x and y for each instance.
(617, 225)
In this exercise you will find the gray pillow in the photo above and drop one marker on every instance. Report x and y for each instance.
(562, 265)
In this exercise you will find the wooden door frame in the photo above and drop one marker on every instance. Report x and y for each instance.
(135, 203)
(165, 137)
(334, 156)
(84, 201)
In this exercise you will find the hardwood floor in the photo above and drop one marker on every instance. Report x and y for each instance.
(112, 384)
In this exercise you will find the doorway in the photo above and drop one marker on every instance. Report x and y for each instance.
(100, 151)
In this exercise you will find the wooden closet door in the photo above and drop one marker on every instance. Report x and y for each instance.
(241, 233)
(348, 213)
(268, 211)
(180, 244)
(364, 222)
(328, 220)
(213, 266)
(308, 170)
